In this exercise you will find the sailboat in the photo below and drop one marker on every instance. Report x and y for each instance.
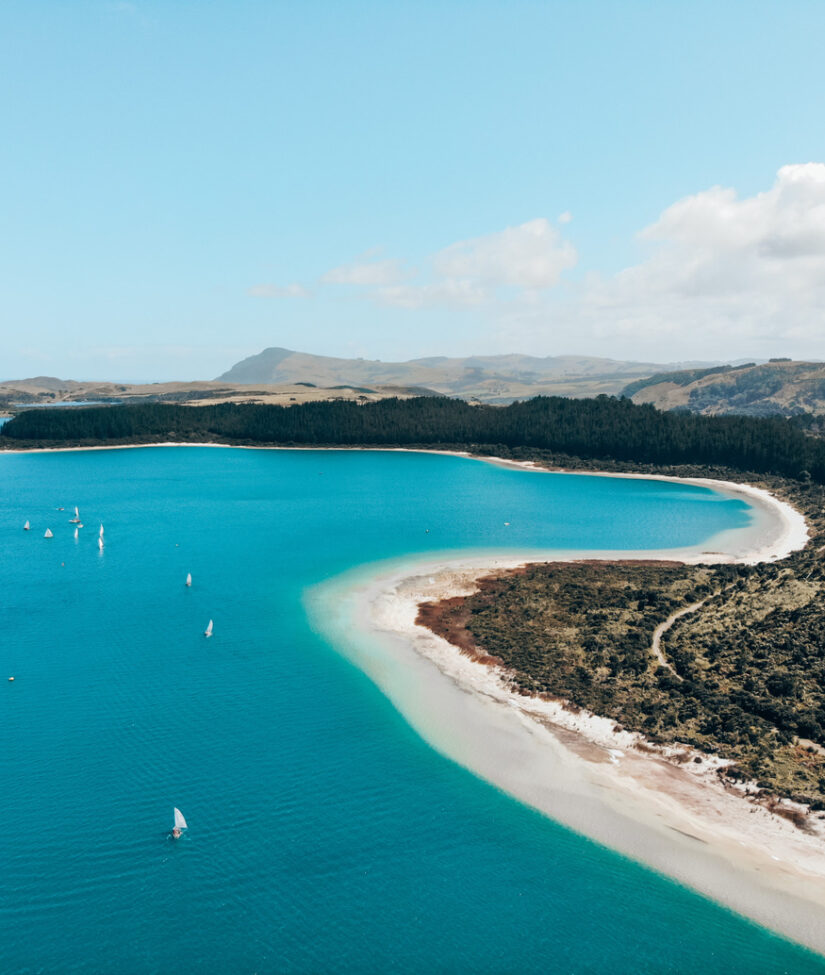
(76, 518)
(48, 533)
(208, 630)
(100, 543)
(188, 578)
(75, 534)
(26, 527)
(180, 824)
(100, 533)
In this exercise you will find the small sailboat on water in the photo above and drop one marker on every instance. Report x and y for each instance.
(180, 824)
(48, 533)
(27, 527)
(76, 519)
(100, 533)
(188, 578)
(76, 533)
(208, 630)
(100, 542)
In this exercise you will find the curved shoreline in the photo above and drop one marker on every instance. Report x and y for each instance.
(793, 530)
(788, 534)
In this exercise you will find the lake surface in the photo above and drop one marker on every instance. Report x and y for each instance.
(325, 835)
(69, 403)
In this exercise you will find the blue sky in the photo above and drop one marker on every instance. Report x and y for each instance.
(185, 183)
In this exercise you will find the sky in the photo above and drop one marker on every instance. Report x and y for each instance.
(183, 184)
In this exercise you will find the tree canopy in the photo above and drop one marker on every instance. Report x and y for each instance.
(600, 428)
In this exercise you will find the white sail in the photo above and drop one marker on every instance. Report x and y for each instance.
(75, 533)
(26, 527)
(208, 630)
(100, 544)
(180, 822)
(101, 531)
(76, 512)
(48, 533)
(188, 578)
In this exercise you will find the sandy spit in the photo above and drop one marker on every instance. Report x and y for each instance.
(573, 766)
(609, 785)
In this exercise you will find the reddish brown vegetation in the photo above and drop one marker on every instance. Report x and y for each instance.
(448, 618)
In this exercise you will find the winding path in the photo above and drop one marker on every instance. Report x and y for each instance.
(662, 628)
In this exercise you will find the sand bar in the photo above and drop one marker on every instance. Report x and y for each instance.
(574, 766)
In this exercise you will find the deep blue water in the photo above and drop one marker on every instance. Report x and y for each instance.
(325, 836)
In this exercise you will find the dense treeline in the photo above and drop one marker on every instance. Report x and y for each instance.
(607, 428)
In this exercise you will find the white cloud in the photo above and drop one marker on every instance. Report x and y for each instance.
(450, 292)
(726, 268)
(278, 291)
(371, 273)
(526, 258)
(532, 255)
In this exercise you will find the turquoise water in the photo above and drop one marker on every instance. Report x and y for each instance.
(68, 403)
(324, 834)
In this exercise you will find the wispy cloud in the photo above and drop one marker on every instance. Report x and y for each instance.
(368, 273)
(449, 292)
(531, 256)
(278, 291)
(528, 257)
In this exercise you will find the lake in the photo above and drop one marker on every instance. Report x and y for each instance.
(325, 835)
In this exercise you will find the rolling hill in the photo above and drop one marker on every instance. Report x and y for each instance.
(488, 379)
(781, 387)
(19, 394)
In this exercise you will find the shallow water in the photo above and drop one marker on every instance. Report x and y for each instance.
(325, 835)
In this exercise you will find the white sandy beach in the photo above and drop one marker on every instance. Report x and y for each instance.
(676, 817)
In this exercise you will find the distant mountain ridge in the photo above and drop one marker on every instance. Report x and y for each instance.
(781, 387)
(489, 379)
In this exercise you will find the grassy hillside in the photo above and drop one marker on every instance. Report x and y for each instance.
(488, 379)
(48, 390)
(778, 388)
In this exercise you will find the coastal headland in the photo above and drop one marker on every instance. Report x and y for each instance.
(665, 806)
